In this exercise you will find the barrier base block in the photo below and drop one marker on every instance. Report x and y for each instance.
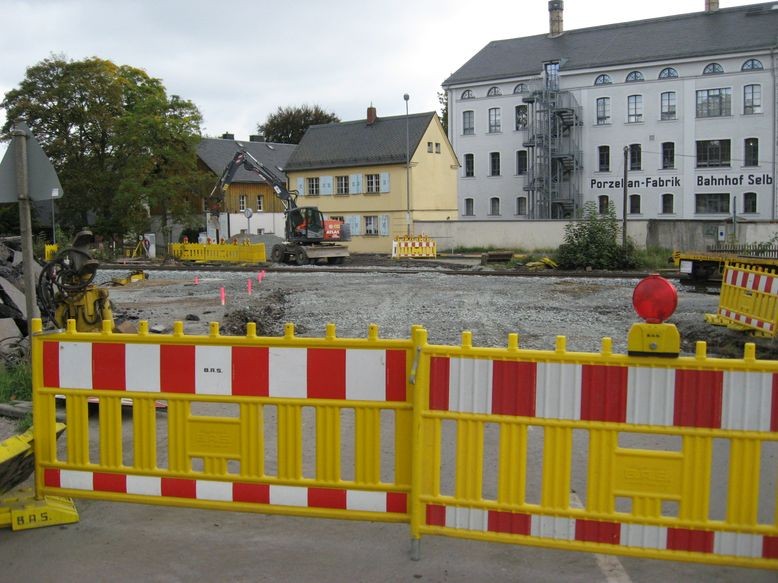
(654, 340)
(22, 511)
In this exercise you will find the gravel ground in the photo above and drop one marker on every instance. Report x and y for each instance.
(538, 308)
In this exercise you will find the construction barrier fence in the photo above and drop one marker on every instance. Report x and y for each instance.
(414, 246)
(220, 252)
(748, 300)
(597, 452)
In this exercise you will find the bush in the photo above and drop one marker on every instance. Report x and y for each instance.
(593, 242)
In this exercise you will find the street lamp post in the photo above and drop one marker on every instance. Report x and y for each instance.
(406, 97)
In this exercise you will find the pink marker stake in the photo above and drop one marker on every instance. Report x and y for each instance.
(197, 280)
(223, 296)
(248, 285)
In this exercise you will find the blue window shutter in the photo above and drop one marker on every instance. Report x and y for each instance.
(301, 186)
(384, 181)
(325, 184)
(356, 184)
(354, 222)
(383, 228)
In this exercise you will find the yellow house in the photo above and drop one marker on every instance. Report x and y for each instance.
(357, 172)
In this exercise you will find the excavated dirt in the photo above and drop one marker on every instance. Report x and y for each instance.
(396, 295)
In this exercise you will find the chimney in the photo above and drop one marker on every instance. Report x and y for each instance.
(228, 136)
(256, 138)
(371, 115)
(555, 10)
(711, 5)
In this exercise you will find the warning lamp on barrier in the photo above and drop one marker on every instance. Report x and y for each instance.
(654, 300)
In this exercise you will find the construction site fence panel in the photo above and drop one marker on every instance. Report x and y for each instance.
(414, 246)
(596, 452)
(221, 252)
(749, 299)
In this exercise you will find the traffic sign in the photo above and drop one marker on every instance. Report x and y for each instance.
(43, 181)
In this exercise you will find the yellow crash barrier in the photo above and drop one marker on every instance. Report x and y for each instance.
(221, 252)
(463, 441)
(749, 300)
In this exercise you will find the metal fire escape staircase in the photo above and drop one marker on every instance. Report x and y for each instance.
(554, 153)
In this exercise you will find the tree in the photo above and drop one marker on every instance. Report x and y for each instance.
(288, 124)
(119, 144)
(593, 242)
(443, 100)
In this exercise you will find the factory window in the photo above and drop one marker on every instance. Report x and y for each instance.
(603, 80)
(668, 73)
(521, 117)
(752, 65)
(668, 155)
(713, 154)
(494, 206)
(493, 92)
(521, 205)
(469, 166)
(520, 88)
(749, 202)
(706, 203)
(752, 99)
(751, 157)
(494, 164)
(467, 94)
(495, 126)
(468, 123)
(712, 69)
(521, 162)
(635, 157)
(603, 204)
(634, 109)
(604, 158)
(469, 207)
(603, 111)
(714, 102)
(634, 76)
(667, 204)
(634, 204)
(667, 103)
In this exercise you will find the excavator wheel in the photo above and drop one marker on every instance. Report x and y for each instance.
(299, 256)
(277, 254)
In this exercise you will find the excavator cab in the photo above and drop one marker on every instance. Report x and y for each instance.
(305, 225)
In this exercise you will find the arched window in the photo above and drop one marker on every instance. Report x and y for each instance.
(633, 76)
(712, 69)
(467, 94)
(520, 88)
(752, 65)
(667, 204)
(521, 205)
(493, 92)
(668, 73)
(603, 203)
(634, 204)
(603, 80)
(494, 206)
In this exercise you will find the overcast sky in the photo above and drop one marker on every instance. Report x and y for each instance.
(240, 61)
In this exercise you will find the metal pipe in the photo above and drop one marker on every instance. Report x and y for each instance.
(406, 97)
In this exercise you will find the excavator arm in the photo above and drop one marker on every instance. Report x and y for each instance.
(244, 159)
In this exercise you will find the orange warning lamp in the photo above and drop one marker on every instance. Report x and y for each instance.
(654, 300)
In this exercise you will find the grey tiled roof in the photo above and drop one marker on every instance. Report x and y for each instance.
(216, 153)
(741, 29)
(354, 143)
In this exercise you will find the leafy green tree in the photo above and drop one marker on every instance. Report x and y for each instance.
(594, 242)
(443, 100)
(120, 145)
(288, 124)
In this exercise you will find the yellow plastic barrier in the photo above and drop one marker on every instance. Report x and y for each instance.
(749, 300)
(49, 251)
(222, 252)
(481, 443)
(414, 246)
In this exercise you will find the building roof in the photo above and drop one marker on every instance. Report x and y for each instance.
(355, 143)
(728, 30)
(216, 153)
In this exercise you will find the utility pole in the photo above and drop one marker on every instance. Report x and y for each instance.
(624, 200)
